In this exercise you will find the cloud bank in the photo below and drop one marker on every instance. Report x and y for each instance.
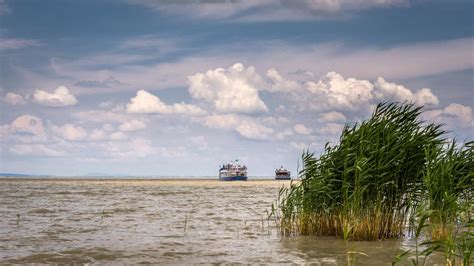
(240, 107)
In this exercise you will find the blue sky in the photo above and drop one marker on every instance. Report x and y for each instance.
(177, 87)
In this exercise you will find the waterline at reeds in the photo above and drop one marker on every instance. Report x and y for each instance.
(371, 183)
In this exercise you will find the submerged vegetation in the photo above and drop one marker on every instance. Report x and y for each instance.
(373, 183)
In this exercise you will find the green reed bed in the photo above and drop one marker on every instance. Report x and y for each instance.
(448, 182)
(371, 183)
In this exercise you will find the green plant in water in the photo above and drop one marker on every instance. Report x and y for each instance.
(419, 222)
(457, 247)
(448, 182)
(365, 186)
(448, 194)
(387, 176)
(368, 186)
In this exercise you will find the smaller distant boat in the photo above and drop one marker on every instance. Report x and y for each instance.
(282, 174)
(233, 171)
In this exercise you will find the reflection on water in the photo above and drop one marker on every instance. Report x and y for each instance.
(159, 221)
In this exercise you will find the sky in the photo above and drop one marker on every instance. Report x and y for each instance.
(176, 88)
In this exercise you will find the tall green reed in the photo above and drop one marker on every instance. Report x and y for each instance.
(369, 184)
(448, 182)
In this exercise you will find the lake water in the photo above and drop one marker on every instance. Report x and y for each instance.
(160, 221)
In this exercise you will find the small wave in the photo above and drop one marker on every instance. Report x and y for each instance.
(120, 210)
(41, 211)
(90, 230)
(169, 193)
(176, 254)
(74, 256)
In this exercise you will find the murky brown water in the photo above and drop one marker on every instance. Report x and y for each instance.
(159, 221)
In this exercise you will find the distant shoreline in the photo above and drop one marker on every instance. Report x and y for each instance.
(127, 178)
(153, 182)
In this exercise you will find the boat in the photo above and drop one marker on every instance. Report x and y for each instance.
(282, 174)
(233, 171)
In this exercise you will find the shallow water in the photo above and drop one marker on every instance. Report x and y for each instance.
(160, 221)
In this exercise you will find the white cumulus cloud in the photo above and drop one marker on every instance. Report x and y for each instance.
(333, 117)
(279, 83)
(391, 91)
(70, 132)
(132, 125)
(253, 130)
(147, 103)
(28, 124)
(23, 129)
(454, 116)
(59, 98)
(336, 92)
(245, 126)
(231, 90)
(340, 97)
(14, 99)
(301, 129)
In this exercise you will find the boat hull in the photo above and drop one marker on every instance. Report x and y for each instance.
(233, 178)
(283, 177)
